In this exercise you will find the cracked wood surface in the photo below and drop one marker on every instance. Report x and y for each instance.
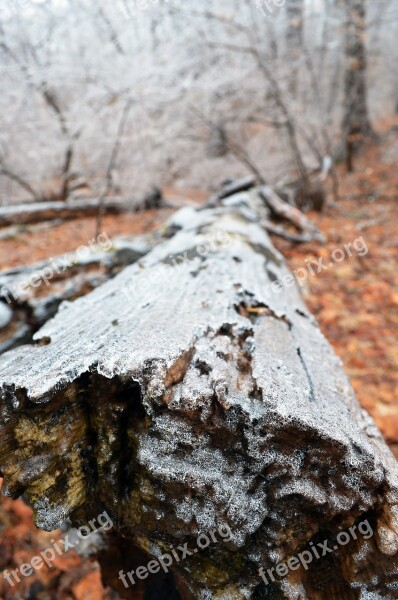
(35, 292)
(192, 392)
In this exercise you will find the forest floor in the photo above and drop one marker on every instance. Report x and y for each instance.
(355, 301)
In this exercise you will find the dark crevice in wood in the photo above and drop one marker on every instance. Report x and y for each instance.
(84, 384)
(131, 397)
(308, 374)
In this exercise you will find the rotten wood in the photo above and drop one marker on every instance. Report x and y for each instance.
(193, 392)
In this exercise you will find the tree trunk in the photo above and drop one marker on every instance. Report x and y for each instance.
(295, 27)
(294, 40)
(26, 214)
(356, 123)
(199, 397)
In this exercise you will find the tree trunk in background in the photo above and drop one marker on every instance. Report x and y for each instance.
(294, 37)
(295, 25)
(356, 122)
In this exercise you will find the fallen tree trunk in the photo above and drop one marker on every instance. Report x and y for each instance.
(290, 213)
(5, 316)
(197, 393)
(296, 238)
(31, 295)
(231, 187)
(25, 214)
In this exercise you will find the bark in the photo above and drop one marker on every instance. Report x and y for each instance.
(13, 330)
(294, 39)
(18, 332)
(296, 238)
(196, 394)
(5, 316)
(66, 179)
(31, 295)
(24, 214)
(236, 185)
(290, 213)
(232, 187)
(295, 27)
(356, 122)
(6, 172)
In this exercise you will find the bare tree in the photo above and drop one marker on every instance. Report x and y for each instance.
(24, 59)
(356, 122)
(5, 171)
(295, 26)
(294, 37)
(251, 47)
(67, 67)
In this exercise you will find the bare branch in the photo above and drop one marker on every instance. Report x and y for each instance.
(236, 150)
(6, 172)
(113, 162)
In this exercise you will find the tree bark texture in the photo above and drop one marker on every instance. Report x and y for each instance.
(356, 121)
(31, 295)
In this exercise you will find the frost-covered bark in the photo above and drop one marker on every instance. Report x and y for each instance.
(191, 392)
(31, 295)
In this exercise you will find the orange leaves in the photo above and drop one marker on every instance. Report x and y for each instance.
(89, 588)
(70, 578)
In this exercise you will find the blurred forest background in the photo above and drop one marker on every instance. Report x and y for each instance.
(189, 92)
